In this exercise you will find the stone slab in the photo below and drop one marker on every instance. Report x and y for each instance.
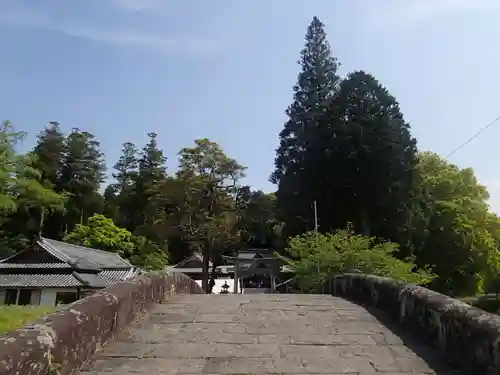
(263, 334)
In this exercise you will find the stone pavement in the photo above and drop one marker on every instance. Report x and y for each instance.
(258, 334)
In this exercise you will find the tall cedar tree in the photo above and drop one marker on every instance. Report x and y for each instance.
(151, 171)
(125, 188)
(49, 152)
(371, 160)
(82, 175)
(317, 83)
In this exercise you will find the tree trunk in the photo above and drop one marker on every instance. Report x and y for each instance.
(211, 282)
(205, 270)
(42, 218)
(365, 223)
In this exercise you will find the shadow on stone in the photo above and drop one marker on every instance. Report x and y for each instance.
(430, 354)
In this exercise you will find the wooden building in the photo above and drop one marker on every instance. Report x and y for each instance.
(53, 272)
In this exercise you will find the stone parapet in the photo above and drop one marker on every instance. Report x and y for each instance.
(467, 336)
(61, 342)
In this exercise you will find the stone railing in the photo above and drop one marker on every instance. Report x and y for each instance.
(61, 342)
(467, 336)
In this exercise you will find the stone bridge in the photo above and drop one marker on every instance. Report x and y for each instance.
(163, 324)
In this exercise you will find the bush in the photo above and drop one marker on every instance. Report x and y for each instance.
(319, 257)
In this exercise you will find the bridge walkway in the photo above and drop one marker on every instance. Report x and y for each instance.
(258, 334)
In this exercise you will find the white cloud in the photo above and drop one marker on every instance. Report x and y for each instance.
(19, 15)
(427, 8)
(137, 39)
(409, 12)
(138, 5)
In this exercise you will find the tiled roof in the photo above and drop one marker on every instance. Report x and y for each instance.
(223, 269)
(91, 267)
(39, 280)
(246, 255)
(196, 257)
(91, 279)
(114, 276)
(185, 270)
(34, 265)
(84, 257)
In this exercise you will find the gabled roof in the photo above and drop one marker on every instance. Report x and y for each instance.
(68, 266)
(196, 257)
(83, 257)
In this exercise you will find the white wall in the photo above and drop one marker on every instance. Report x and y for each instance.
(43, 297)
(218, 285)
(35, 297)
(48, 296)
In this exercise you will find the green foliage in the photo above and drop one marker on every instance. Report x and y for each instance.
(197, 205)
(147, 254)
(297, 172)
(21, 194)
(374, 157)
(257, 220)
(102, 233)
(452, 230)
(317, 258)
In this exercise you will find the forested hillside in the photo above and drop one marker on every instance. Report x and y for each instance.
(384, 206)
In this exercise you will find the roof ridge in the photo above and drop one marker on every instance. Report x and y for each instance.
(82, 247)
(44, 244)
(94, 257)
(93, 249)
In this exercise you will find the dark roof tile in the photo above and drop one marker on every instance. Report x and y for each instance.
(34, 265)
(39, 280)
(84, 257)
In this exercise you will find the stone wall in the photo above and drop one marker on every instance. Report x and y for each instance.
(469, 337)
(62, 341)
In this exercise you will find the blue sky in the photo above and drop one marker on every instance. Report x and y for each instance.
(224, 70)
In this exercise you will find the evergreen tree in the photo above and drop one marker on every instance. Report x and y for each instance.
(151, 171)
(370, 161)
(126, 167)
(317, 83)
(49, 152)
(21, 194)
(198, 204)
(111, 208)
(82, 174)
(125, 190)
(256, 218)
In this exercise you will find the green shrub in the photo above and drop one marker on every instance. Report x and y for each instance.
(317, 258)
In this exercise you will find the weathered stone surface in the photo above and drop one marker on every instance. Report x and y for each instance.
(61, 342)
(263, 334)
(467, 336)
(25, 351)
